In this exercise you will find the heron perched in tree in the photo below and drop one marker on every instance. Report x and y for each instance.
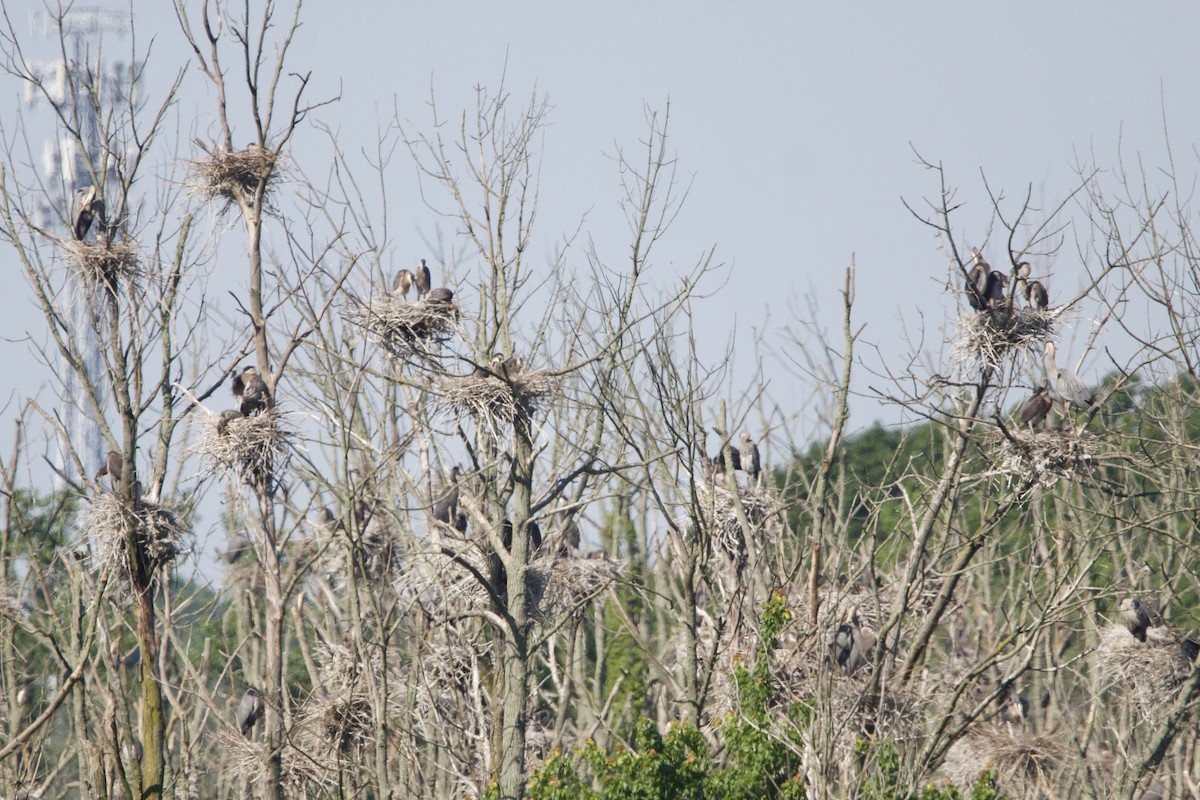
(235, 548)
(718, 461)
(977, 279)
(1066, 385)
(227, 416)
(88, 206)
(111, 467)
(994, 294)
(1036, 408)
(446, 506)
(1135, 616)
(852, 645)
(403, 283)
(460, 521)
(751, 463)
(251, 389)
(1034, 292)
(440, 295)
(422, 280)
(249, 710)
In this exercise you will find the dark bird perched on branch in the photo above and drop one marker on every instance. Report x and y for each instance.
(89, 205)
(422, 280)
(852, 645)
(1066, 385)
(111, 467)
(1034, 292)
(403, 283)
(249, 710)
(440, 295)
(460, 521)
(718, 461)
(1135, 617)
(976, 284)
(1036, 408)
(446, 506)
(994, 294)
(251, 389)
(751, 463)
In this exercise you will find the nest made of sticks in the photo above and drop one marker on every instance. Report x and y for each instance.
(403, 328)
(1147, 673)
(721, 515)
(493, 400)
(158, 530)
(1048, 454)
(232, 176)
(986, 337)
(103, 264)
(247, 446)
(572, 582)
(1026, 764)
(301, 774)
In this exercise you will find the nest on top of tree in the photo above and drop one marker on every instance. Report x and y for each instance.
(1045, 455)
(492, 399)
(247, 446)
(403, 328)
(1148, 674)
(985, 337)
(1025, 762)
(233, 175)
(103, 264)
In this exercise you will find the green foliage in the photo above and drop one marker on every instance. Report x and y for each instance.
(881, 778)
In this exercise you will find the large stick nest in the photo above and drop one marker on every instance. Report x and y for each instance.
(494, 400)
(103, 264)
(157, 530)
(720, 515)
(1026, 764)
(986, 337)
(402, 328)
(246, 446)
(232, 176)
(1047, 454)
(374, 554)
(1148, 674)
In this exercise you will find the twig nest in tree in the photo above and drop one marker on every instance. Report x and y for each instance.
(720, 515)
(572, 582)
(300, 773)
(103, 265)
(493, 400)
(1027, 765)
(158, 532)
(371, 551)
(403, 328)
(1046, 455)
(247, 446)
(1148, 674)
(232, 176)
(986, 337)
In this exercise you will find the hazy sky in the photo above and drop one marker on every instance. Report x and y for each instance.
(795, 122)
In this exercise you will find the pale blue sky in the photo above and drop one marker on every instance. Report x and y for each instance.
(795, 120)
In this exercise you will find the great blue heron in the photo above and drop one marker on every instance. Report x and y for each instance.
(460, 521)
(111, 467)
(852, 645)
(718, 461)
(227, 416)
(422, 280)
(977, 281)
(446, 506)
(994, 294)
(1036, 408)
(1135, 616)
(440, 295)
(235, 548)
(89, 205)
(748, 450)
(403, 283)
(1066, 385)
(1034, 292)
(249, 710)
(251, 389)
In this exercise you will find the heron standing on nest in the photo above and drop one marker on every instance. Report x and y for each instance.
(1066, 385)
(251, 390)
(423, 280)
